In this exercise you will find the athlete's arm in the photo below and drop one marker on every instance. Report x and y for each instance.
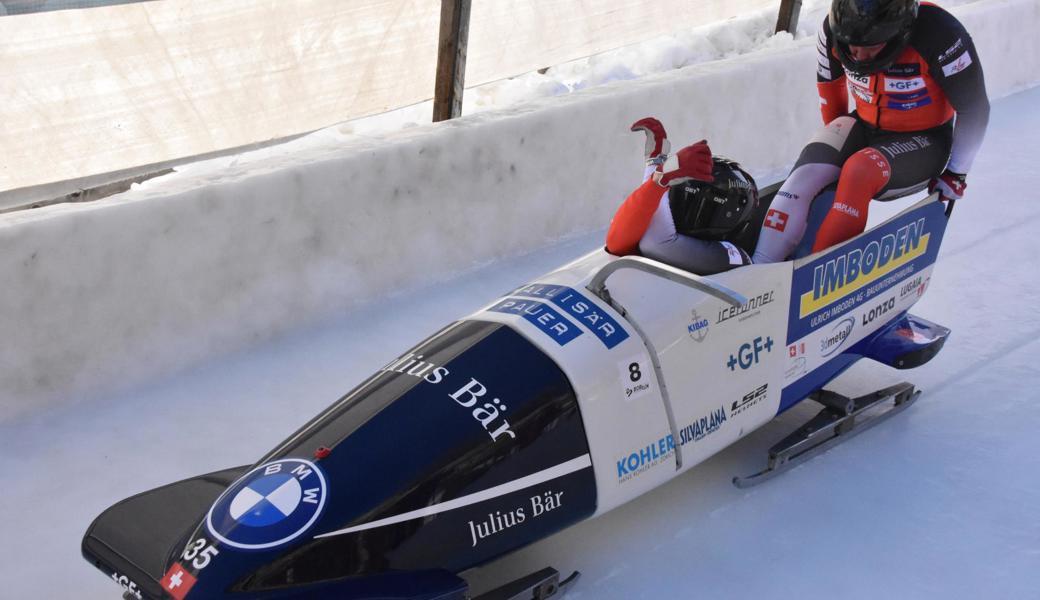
(830, 77)
(954, 64)
(632, 219)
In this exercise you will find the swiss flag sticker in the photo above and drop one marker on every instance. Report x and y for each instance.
(177, 582)
(776, 219)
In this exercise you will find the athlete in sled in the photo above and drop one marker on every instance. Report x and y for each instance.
(697, 217)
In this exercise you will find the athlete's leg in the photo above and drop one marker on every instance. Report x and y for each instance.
(915, 160)
(863, 176)
(662, 242)
(818, 166)
(894, 164)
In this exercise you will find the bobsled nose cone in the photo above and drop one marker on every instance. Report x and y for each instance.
(464, 448)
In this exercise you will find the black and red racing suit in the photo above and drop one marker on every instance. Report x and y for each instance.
(925, 112)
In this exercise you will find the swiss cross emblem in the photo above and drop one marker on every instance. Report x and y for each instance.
(177, 582)
(776, 219)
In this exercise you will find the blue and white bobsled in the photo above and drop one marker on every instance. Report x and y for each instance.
(558, 402)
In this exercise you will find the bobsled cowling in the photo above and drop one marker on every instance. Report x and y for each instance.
(561, 400)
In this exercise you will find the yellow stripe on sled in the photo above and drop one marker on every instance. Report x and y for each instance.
(808, 305)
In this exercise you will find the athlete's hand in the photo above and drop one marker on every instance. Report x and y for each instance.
(657, 144)
(694, 163)
(950, 185)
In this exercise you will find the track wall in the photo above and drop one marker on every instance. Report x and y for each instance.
(222, 256)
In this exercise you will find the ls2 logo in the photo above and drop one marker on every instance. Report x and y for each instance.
(748, 354)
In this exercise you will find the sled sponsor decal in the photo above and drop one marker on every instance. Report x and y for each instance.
(747, 310)
(826, 289)
(499, 521)
(703, 427)
(914, 287)
(749, 399)
(636, 379)
(177, 582)
(698, 327)
(796, 368)
(837, 336)
(796, 363)
(854, 269)
(413, 365)
(639, 461)
(561, 470)
(269, 506)
(472, 396)
(583, 310)
(879, 311)
(542, 316)
(748, 354)
(129, 587)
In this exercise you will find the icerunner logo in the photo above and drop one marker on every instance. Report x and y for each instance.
(858, 267)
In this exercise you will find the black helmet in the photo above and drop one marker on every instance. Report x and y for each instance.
(716, 210)
(869, 23)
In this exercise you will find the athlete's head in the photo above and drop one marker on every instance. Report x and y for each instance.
(870, 34)
(713, 211)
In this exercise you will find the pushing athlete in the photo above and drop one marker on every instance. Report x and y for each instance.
(920, 115)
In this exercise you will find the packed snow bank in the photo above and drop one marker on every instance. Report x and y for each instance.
(198, 264)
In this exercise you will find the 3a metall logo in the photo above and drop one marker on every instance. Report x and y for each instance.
(270, 506)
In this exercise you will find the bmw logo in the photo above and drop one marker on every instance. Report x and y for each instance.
(269, 506)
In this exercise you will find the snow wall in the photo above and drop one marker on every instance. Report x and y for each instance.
(201, 263)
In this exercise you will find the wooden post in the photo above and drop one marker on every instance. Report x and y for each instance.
(451, 59)
(788, 17)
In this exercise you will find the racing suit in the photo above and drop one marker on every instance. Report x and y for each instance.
(901, 135)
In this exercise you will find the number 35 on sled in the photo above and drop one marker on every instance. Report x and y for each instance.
(557, 402)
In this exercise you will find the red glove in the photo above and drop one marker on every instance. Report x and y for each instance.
(950, 185)
(694, 163)
(657, 144)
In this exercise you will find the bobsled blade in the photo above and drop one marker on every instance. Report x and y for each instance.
(540, 585)
(840, 419)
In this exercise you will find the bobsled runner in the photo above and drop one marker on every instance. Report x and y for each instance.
(557, 402)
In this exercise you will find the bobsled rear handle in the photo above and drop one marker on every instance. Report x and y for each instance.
(598, 285)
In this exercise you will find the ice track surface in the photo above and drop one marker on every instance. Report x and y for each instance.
(940, 502)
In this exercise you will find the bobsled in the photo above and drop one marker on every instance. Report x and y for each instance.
(557, 402)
